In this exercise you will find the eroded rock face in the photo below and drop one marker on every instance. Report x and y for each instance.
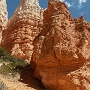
(3, 16)
(22, 28)
(61, 49)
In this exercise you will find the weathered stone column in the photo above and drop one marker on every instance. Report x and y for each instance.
(61, 56)
(22, 28)
(3, 16)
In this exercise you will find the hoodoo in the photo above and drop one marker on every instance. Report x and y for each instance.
(3, 16)
(62, 49)
(22, 28)
(57, 45)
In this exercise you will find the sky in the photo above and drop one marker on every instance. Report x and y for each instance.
(76, 7)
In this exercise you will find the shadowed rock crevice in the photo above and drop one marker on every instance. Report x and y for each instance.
(28, 79)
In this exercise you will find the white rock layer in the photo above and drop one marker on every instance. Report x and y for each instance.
(3, 16)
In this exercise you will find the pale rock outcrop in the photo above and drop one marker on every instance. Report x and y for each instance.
(3, 17)
(62, 49)
(22, 28)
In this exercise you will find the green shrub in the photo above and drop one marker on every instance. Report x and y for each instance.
(3, 52)
(11, 65)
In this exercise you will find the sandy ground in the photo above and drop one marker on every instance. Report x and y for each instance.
(25, 81)
(1, 64)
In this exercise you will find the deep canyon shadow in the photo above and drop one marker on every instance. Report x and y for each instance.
(27, 78)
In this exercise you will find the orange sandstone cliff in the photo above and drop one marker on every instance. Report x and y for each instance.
(62, 50)
(22, 28)
(61, 53)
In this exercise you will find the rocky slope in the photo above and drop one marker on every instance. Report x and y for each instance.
(3, 17)
(61, 44)
(22, 28)
(61, 50)
(24, 82)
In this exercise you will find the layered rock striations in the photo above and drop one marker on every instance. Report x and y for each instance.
(22, 28)
(61, 50)
(3, 16)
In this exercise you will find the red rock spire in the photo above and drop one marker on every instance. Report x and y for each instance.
(61, 57)
(23, 26)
